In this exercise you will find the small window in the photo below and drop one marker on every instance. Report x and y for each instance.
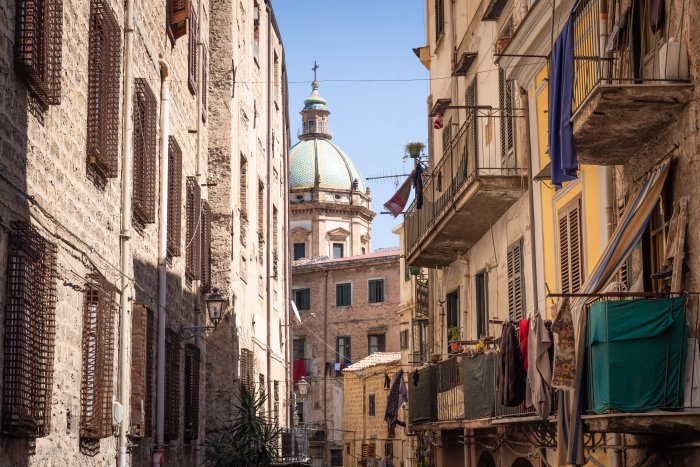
(376, 343)
(376, 290)
(178, 14)
(403, 340)
(338, 250)
(312, 128)
(299, 351)
(371, 405)
(342, 349)
(439, 19)
(337, 457)
(343, 294)
(192, 373)
(388, 450)
(302, 299)
(299, 251)
(453, 309)
(482, 310)
(364, 250)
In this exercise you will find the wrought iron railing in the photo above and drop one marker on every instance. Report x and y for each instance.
(294, 446)
(421, 297)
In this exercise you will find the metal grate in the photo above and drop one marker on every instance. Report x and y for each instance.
(192, 364)
(103, 90)
(193, 205)
(99, 309)
(205, 229)
(247, 370)
(178, 14)
(205, 64)
(172, 385)
(174, 197)
(38, 47)
(141, 317)
(29, 334)
(192, 52)
(145, 153)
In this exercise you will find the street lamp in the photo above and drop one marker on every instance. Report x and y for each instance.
(216, 306)
(303, 386)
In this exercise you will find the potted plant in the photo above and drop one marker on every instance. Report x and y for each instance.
(453, 336)
(414, 150)
(414, 270)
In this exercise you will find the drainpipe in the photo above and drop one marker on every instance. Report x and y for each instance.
(287, 244)
(268, 237)
(162, 260)
(125, 236)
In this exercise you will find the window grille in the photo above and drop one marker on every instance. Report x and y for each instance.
(145, 152)
(192, 373)
(174, 197)
(38, 32)
(100, 307)
(193, 247)
(178, 14)
(29, 334)
(439, 19)
(247, 370)
(103, 90)
(205, 65)
(570, 247)
(142, 334)
(192, 53)
(205, 229)
(172, 385)
(516, 281)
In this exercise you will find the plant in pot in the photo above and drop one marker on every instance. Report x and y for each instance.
(453, 336)
(414, 150)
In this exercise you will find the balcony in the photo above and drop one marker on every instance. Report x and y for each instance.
(475, 182)
(622, 99)
(294, 449)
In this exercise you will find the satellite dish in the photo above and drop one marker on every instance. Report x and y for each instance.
(295, 310)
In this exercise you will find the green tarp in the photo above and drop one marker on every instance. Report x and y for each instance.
(636, 353)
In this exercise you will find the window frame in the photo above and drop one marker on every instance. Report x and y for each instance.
(145, 153)
(301, 292)
(341, 245)
(380, 345)
(340, 294)
(481, 296)
(452, 298)
(303, 248)
(373, 292)
(347, 349)
(334, 460)
(371, 405)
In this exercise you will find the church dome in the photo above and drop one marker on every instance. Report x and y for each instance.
(318, 157)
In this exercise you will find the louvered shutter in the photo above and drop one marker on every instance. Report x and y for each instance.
(516, 289)
(192, 373)
(172, 388)
(139, 367)
(205, 229)
(174, 197)
(145, 152)
(178, 14)
(192, 55)
(505, 98)
(570, 248)
(205, 65)
(247, 370)
(193, 250)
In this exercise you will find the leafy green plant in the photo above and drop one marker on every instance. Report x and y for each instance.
(453, 334)
(250, 441)
(414, 150)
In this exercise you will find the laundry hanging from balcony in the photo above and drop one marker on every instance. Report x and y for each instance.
(397, 203)
(562, 151)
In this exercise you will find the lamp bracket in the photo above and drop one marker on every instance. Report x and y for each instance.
(188, 332)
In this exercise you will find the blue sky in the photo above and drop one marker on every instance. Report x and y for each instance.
(371, 121)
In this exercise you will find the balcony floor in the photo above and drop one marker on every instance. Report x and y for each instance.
(615, 119)
(473, 210)
(656, 421)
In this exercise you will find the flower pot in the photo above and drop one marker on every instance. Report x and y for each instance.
(436, 357)
(414, 270)
(455, 346)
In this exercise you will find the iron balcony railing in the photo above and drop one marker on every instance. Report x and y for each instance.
(620, 56)
(474, 152)
(294, 446)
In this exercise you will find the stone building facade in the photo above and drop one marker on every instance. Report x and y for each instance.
(106, 166)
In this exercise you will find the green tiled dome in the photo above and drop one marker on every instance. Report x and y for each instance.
(317, 156)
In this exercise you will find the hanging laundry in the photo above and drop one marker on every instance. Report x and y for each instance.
(393, 401)
(415, 377)
(512, 372)
(657, 10)
(387, 381)
(397, 203)
(564, 375)
(418, 184)
(524, 329)
(539, 372)
(298, 369)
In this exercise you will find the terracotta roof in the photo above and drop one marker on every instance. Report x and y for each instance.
(379, 253)
(376, 359)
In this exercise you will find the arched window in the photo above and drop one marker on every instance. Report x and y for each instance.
(486, 460)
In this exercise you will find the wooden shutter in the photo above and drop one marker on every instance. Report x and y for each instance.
(100, 307)
(174, 197)
(139, 367)
(261, 222)
(505, 98)
(38, 33)
(205, 65)
(178, 14)
(516, 288)
(145, 152)
(29, 334)
(192, 373)
(193, 266)
(247, 371)
(205, 229)
(192, 53)
(172, 385)
(439, 18)
(104, 59)
(570, 247)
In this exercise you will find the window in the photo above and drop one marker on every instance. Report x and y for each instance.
(376, 290)
(276, 404)
(192, 373)
(388, 450)
(261, 222)
(99, 309)
(243, 201)
(338, 250)
(446, 138)
(104, 57)
(302, 299)
(403, 339)
(363, 250)
(343, 294)
(369, 451)
(193, 247)
(205, 65)
(516, 281)
(376, 343)
(299, 350)
(247, 371)
(371, 405)
(174, 196)
(38, 47)
(300, 411)
(337, 457)
(205, 229)
(275, 251)
(656, 253)
(299, 251)
(145, 153)
(312, 126)
(505, 97)
(142, 353)
(453, 309)
(192, 52)
(470, 99)
(172, 385)
(178, 14)
(420, 341)
(342, 349)
(482, 310)
(570, 247)
(277, 74)
(256, 32)
(29, 333)
(439, 19)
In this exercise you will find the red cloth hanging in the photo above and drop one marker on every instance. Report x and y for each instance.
(298, 370)
(524, 329)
